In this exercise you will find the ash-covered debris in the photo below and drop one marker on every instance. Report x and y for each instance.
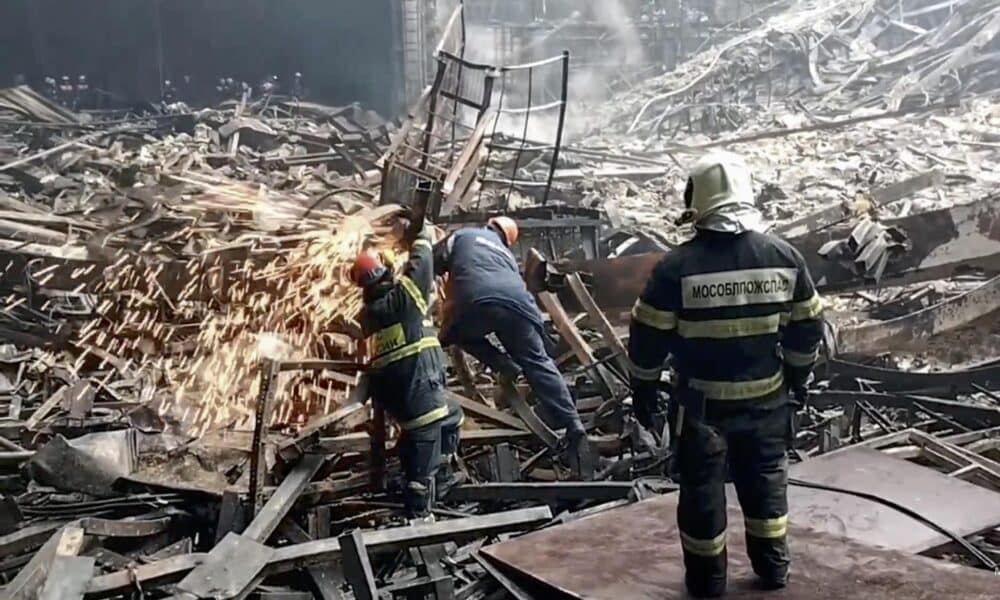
(184, 405)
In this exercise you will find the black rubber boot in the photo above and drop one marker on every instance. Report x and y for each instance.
(772, 582)
(417, 500)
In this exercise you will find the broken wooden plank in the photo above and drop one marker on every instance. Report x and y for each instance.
(600, 321)
(584, 353)
(481, 412)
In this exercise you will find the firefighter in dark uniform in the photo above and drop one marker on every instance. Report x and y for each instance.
(407, 371)
(737, 313)
(486, 294)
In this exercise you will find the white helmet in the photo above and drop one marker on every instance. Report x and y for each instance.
(718, 184)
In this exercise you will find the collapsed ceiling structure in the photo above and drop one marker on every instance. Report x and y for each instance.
(183, 409)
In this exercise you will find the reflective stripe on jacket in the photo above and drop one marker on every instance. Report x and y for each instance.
(737, 313)
(407, 369)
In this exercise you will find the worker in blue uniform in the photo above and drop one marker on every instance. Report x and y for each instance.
(485, 294)
(407, 371)
(738, 315)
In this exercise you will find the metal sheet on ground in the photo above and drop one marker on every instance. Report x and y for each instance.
(635, 553)
(957, 505)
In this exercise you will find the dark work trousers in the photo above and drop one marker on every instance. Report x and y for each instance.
(425, 454)
(420, 457)
(451, 428)
(526, 354)
(753, 443)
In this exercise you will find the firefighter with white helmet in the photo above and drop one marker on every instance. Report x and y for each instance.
(736, 312)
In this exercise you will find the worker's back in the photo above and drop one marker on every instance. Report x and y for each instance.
(482, 270)
(734, 304)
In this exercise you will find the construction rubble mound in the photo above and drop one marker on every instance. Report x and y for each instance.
(183, 400)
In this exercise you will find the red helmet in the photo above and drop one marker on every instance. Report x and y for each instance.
(507, 228)
(367, 269)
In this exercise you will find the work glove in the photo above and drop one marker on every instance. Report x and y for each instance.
(647, 406)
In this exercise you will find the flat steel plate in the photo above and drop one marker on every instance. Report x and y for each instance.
(957, 505)
(634, 553)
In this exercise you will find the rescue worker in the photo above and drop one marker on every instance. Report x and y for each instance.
(66, 91)
(486, 294)
(169, 94)
(407, 371)
(82, 93)
(737, 312)
(298, 87)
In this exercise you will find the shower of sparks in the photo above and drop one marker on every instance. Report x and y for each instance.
(204, 346)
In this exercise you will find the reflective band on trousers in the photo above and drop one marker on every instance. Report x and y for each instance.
(709, 548)
(652, 374)
(425, 419)
(657, 319)
(739, 390)
(800, 359)
(730, 328)
(767, 529)
(807, 309)
(414, 292)
(406, 351)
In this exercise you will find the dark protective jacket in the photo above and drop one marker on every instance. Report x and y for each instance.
(407, 367)
(738, 313)
(482, 270)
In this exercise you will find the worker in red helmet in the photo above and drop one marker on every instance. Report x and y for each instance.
(406, 371)
(487, 295)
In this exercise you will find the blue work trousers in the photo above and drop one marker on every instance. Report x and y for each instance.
(522, 340)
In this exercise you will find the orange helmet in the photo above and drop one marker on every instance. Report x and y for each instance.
(507, 228)
(367, 269)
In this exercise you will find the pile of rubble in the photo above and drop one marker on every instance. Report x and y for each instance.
(183, 406)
